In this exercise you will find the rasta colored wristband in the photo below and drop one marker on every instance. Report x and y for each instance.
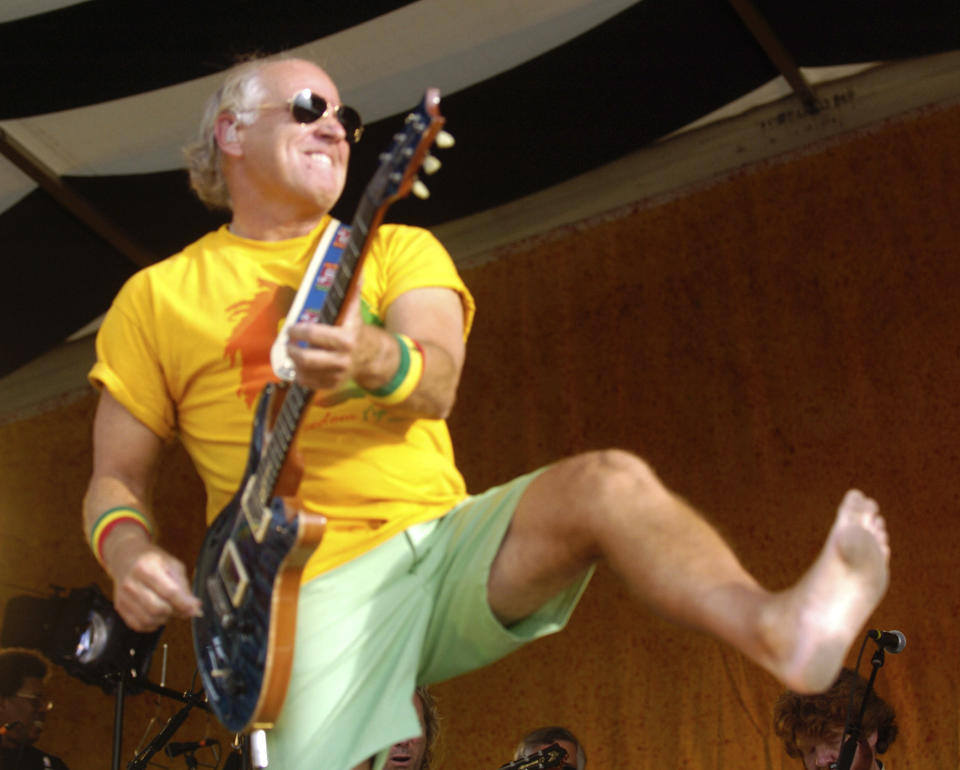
(109, 520)
(408, 374)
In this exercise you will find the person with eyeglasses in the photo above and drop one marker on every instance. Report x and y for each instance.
(415, 580)
(812, 726)
(24, 704)
(543, 737)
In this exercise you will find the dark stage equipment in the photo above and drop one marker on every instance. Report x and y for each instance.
(82, 632)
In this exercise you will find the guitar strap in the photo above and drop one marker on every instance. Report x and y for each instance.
(312, 292)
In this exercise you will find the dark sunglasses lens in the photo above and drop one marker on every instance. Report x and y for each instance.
(307, 107)
(350, 120)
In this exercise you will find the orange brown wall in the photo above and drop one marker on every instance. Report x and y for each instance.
(765, 342)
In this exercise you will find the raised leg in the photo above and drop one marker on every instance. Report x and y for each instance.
(609, 505)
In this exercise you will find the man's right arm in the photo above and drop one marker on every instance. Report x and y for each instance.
(150, 585)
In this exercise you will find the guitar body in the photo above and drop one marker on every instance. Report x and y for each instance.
(248, 578)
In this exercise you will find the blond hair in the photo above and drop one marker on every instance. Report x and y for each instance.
(241, 94)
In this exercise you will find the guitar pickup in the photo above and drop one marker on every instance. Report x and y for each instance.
(256, 513)
(220, 602)
(233, 573)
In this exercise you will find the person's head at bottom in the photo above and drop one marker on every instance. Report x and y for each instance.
(543, 737)
(414, 753)
(811, 726)
(24, 701)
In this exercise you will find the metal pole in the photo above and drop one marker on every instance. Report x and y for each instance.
(118, 724)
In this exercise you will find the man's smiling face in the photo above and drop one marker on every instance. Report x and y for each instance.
(303, 165)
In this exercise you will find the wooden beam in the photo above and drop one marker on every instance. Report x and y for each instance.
(80, 207)
(776, 52)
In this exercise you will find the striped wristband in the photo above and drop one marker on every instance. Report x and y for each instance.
(408, 374)
(110, 519)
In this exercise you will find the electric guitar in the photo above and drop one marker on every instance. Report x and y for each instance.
(248, 572)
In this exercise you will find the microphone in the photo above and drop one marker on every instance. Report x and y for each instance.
(891, 641)
(176, 749)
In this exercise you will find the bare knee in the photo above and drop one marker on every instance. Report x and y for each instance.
(569, 517)
(610, 482)
(580, 505)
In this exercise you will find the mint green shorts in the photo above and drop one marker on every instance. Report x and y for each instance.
(412, 611)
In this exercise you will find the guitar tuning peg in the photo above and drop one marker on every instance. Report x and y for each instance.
(431, 165)
(420, 189)
(445, 140)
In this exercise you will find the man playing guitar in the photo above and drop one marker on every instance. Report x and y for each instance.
(414, 581)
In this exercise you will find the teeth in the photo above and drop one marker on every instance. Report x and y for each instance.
(321, 158)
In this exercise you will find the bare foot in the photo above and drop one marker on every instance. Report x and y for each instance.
(810, 627)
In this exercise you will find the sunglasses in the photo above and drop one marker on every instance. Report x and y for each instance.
(308, 107)
(39, 702)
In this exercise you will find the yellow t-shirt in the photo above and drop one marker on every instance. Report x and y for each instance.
(185, 348)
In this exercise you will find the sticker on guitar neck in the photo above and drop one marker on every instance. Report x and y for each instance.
(310, 296)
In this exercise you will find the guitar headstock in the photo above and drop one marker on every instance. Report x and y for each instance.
(396, 176)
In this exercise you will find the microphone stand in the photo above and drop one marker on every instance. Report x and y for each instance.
(854, 726)
(190, 698)
(238, 759)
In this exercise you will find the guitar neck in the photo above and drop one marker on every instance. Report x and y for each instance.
(298, 397)
(392, 181)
